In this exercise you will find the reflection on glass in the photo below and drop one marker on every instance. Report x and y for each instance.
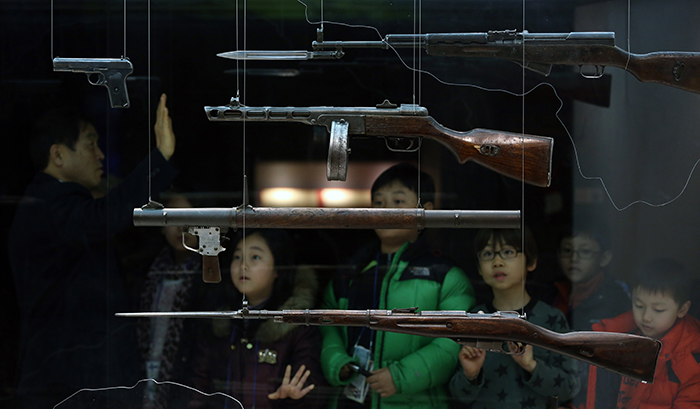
(136, 397)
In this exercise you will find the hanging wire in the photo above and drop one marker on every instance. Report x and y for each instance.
(420, 54)
(238, 72)
(245, 175)
(150, 172)
(124, 55)
(52, 30)
(419, 17)
(413, 51)
(629, 53)
(522, 175)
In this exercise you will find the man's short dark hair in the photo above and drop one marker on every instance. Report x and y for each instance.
(58, 126)
(407, 174)
(663, 276)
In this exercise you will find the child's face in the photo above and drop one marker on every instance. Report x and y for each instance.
(254, 276)
(581, 258)
(655, 313)
(396, 196)
(507, 269)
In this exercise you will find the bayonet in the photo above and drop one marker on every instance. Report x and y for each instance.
(630, 355)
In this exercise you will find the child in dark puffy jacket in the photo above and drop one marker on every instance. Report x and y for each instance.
(530, 379)
(261, 363)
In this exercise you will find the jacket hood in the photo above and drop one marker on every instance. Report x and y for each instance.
(682, 339)
(303, 297)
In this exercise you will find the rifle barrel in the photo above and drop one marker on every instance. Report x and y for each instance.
(328, 218)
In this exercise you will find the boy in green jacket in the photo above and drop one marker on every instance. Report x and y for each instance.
(398, 271)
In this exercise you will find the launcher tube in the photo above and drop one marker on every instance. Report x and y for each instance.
(328, 218)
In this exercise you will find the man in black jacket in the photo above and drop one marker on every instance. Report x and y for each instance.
(66, 274)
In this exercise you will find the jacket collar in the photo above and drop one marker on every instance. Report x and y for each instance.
(303, 297)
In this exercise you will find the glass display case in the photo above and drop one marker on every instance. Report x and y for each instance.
(265, 98)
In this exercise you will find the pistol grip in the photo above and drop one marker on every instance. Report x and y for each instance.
(116, 87)
(211, 273)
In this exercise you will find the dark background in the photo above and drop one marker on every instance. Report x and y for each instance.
(185, 37)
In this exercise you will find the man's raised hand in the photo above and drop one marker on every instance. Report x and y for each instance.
(165, 137)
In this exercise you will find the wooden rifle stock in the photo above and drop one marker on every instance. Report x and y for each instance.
(629, 355)
(519, 156)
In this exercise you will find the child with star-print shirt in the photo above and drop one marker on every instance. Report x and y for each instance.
(524, 381)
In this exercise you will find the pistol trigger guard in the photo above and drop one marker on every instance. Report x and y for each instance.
(184, 231)
(599, 72)
(412, 147)
(100, 78)
(338, 151)
(519, 349)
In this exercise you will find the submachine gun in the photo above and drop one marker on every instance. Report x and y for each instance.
(519, 156)
(630, 355)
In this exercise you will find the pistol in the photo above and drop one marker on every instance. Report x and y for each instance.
(108, 72)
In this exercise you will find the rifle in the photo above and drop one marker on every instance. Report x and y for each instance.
(629, 355)
(510, 154)
(534, 51)
(108, 72)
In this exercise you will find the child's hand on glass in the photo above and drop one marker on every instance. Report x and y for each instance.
(293, 388)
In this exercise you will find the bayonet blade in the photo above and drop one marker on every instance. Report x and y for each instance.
(281, 55)
(184, 314)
